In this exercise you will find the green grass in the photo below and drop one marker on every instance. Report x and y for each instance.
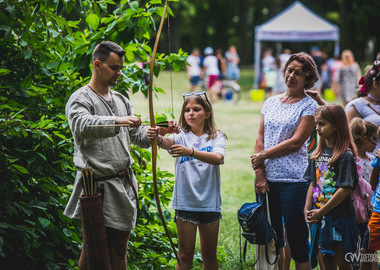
(240, 123)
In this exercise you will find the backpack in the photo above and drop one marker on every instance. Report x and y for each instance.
(253, 219)
(361, 200)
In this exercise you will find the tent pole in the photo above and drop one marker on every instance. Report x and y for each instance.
(336, 48)
(257, 63)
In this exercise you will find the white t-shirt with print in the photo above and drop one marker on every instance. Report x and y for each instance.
(280, 123)
(197, 184)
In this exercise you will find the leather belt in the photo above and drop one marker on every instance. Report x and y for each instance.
(122, 174)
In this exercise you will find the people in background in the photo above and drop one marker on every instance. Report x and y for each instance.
(347, 77)
(233, 60)
(194, 69)
(211, 71)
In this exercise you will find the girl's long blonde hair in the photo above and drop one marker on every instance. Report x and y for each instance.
(210, 126)
(334, 114)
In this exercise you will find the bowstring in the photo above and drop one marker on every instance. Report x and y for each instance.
(171, 67)
(171, 83)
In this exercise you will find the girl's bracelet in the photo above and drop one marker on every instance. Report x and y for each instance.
(192, 154)
(161, 140)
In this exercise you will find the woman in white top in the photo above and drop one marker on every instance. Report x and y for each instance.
(280, 158)
(199, 150)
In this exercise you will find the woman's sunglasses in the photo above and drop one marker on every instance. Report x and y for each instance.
(199, 93)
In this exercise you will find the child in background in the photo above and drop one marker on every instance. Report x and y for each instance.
(365, 135)
(332, 174)
(371, 241)
(199, 150)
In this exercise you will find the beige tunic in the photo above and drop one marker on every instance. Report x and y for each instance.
(106, 151)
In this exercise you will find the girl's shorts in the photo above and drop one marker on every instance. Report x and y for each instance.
(198, 218)
(371, 239)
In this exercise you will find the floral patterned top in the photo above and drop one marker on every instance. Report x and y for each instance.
(327, 179)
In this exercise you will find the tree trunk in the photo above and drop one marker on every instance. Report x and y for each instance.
(245, 47)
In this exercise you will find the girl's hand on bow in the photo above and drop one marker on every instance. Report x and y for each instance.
(172, 128)
(178, 150)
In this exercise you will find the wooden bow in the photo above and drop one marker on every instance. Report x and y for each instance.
(153, 124)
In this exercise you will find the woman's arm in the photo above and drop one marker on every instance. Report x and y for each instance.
(309, 200)
(335, 200)
(259, 145)
(303, 131)
(261, 184)
(351, 113)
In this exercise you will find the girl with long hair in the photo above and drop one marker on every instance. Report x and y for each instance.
(199, 150)
(332, 175)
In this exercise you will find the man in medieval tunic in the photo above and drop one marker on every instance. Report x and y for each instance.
(106, 149)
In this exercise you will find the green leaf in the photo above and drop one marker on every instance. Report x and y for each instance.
(28, 53)
(134, 6)
(4, 71)
(110, 26)
(67, 232)
(71, 262)
(44, 222)
(21, 169)
(93, 21)
(129, 55)
(52, 65)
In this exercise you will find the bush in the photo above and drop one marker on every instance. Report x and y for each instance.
(47, 49)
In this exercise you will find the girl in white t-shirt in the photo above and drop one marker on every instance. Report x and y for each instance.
(199, 150)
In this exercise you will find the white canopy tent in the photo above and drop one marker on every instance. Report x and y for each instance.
(294, 24)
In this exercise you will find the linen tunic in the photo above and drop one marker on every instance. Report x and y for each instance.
(106, 150)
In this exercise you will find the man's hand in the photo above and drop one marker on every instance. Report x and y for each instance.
(133, 121)
(152, 133)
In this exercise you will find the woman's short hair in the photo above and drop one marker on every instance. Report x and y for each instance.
(308, 67)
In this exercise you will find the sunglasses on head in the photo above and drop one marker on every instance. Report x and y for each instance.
(199, 93)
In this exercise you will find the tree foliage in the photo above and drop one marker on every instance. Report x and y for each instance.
(220, 23)
(46, 54)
